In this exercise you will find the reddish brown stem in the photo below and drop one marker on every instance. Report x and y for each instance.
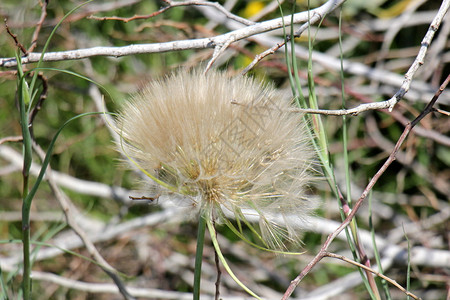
(14, 36)
(323, 251)
(368, 269)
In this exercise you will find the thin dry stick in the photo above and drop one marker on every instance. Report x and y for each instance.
(441, 111)
(393, 282)
(343, 112)
(38, 25)
(322, 253)
(171, 4)
(12, 73)
(332, 112)
(16, 138)
(315, 17)
(14, 36)
(359, 246)
(219, 273)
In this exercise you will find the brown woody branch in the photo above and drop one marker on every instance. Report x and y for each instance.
(14, 36)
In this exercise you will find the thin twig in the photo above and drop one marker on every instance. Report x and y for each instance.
(393, 282)
(219, 273)
(314, 18)
(10, 73)
(387, 163)
(17, 138)
(37, 30)
(358, 244)
(151, 199)
(336, 112)
(343, 112)
(419, 130)
(14, 36)
(171, 4)
(441, 111)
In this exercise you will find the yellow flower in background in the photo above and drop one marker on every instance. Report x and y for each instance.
(228, 146)
(252, 9)
(394, 10)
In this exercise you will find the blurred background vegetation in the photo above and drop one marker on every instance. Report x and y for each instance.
(413, 192)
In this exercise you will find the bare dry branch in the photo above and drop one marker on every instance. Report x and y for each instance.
(314, 16)
(172, 4)
(421, 55)
(11, 139)
(357, 68)
(213, 42)
(393, 282)
(14, 37)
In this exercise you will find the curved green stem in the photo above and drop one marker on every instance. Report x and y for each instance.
(212, 232)
(199, 256)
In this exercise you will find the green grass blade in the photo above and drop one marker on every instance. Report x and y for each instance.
(286, 55)
(408, 268)
(49, 154)
(199, 256)
(47, 43)
(23, 98)
(212, 233)
(354, 242)
(4, 292)
(376, 252)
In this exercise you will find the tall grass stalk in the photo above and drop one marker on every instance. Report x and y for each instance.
(376, 252)
(23, 97)
(26, 95)
(369, 281)
(320, 141)
(408, 268)
(199, 256)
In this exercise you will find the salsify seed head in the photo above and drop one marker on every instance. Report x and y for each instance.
(228, 145)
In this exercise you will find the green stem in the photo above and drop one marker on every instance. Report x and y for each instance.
(26, 281)
(199, 256)
(23, 97)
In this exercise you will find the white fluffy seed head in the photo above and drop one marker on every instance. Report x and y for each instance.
(224, 143)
